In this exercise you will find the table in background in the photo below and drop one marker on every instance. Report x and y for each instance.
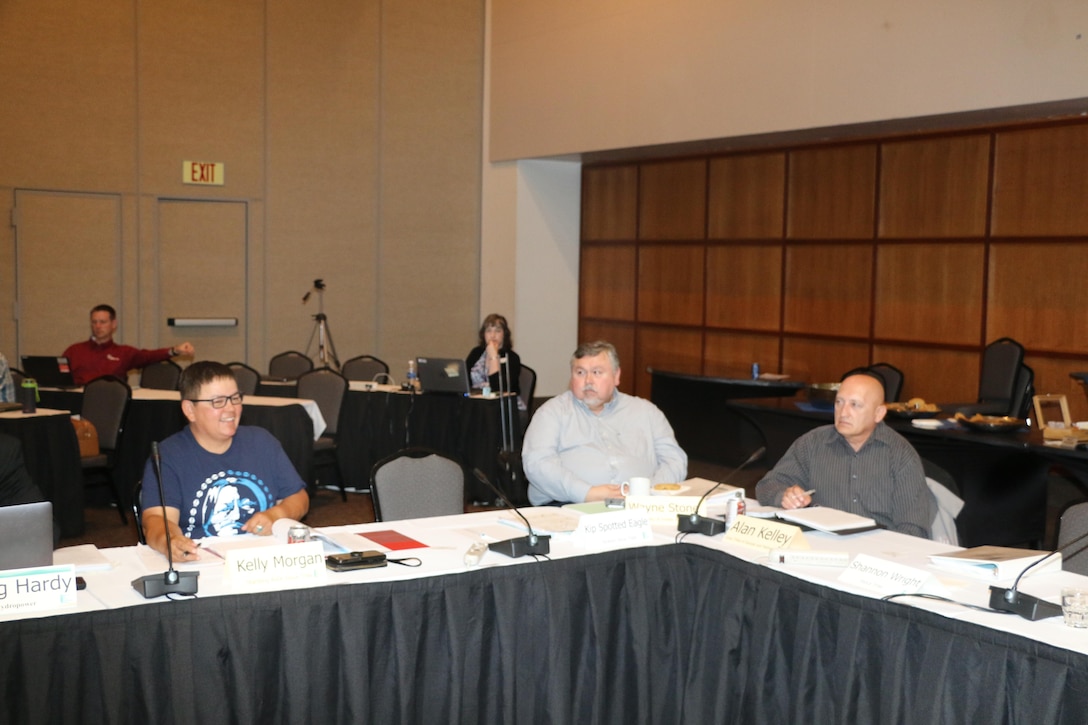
(695, 407)
(51, 454)
(666, 633)
(1002, 476)
(377, 424)
(156, 415)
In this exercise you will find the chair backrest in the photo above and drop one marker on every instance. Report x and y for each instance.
(326, 388)
(289, 365)
(248, 379)
(1074, 523)
(527, 386)
(17, 378)
(1020, 406)
(105, 401)
(415, 483)
(1000, 367)
(893, 380)
(163, 375)
(363, 367)
(138, 510)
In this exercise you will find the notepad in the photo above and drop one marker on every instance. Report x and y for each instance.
(828, 520)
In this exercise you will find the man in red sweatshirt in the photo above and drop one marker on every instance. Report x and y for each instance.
(100, 355)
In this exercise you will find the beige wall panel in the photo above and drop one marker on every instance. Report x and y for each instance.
(608, 274)
(323, 155)
(935, 187)
(670, 284)
(201, 87)
(746, 196)
(744, 286)
(573, 76)
(679, 351)
(937, 376)
(430, 179)
(730, 355)
(610, 203)
(828, 289)
(1040, 182)
(831, 193)
(189, 234)
(821, 361)
(1037, 296)
(930, 292)
(67, 77)
(69, 260)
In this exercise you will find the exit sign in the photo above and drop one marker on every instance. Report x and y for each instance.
(208, 173)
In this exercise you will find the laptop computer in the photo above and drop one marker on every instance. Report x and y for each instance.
(442, 375)
(26, 535)
(51, 371)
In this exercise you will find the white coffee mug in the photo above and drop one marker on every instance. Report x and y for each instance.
(635, 487)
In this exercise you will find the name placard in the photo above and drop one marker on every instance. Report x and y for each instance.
(886, 577)
(273, 567)
(663, 509)
(38, 589)
(766, 534)
(613, 528)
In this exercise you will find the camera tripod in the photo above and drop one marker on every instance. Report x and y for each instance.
(326, 350)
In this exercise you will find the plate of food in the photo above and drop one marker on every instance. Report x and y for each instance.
(990, 423)
(913, 408)
(668, 489)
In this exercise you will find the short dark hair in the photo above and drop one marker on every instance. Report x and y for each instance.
(105, 308)
(197, 375)
(593, 349)
(497, 320)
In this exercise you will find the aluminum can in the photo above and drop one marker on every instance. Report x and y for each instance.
(734, 507)
(298, 534)
(755, 371)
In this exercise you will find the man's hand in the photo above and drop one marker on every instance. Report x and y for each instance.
(795, 497)
(600, 493)
(185, 348)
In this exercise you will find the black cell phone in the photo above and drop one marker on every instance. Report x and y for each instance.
(615, 503)
(355, 560)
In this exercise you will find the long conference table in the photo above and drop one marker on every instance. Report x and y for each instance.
(707, 630)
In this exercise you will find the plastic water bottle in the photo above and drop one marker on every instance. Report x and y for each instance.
(412, 378)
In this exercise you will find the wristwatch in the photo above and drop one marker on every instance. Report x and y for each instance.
(173, 352)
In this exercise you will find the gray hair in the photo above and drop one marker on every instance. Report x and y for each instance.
(593, 349)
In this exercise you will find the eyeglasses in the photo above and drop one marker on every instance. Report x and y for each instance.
(220, 401)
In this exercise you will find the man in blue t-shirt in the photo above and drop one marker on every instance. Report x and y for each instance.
(219, 478)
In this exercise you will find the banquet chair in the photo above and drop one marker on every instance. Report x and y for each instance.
(138, 510)
(1001, 363)
(893, 380)
(1074, 523)
(527, 386)
(247, 378)
(326, 388)
(416, 483)
(946, 495)
(1023, 394)
(163, 375)
(17, 378)
(105, 402)
(363, 367)
(289, 365)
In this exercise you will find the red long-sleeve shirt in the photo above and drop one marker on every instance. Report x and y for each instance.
(89, 360)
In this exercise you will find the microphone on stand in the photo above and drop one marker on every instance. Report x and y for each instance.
(170, 581)
(533, 544)
(1025, 605)
(693, 523)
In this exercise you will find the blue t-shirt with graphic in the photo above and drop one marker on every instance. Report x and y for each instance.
(217, 493)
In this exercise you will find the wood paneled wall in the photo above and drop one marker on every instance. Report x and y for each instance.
(915, 251)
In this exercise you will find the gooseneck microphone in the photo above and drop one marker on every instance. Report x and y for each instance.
(693, 523)
(170, 581)
(1014, 601)
(533, 544)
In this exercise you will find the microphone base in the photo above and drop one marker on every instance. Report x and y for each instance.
(156, 585)
(1024, 605)
(523, 546)
(696, 524)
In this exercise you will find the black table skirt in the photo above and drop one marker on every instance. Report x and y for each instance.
(469, 430)
(667, 634)
(51, 454)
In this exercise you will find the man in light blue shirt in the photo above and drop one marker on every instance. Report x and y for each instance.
(582, 444)
(7, 387)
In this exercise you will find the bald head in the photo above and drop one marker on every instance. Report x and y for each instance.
(859, 406)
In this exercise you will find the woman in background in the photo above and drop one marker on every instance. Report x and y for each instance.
(483, 362)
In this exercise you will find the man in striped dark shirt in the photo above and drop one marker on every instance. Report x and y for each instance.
(858, 464)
